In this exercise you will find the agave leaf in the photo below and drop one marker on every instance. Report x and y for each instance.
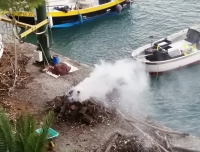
(36, 142)
(6, 134)
(25, 126)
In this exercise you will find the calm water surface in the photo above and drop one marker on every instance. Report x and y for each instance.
(174, 97)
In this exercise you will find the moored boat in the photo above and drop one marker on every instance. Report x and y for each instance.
(175, 51)
(68, 13)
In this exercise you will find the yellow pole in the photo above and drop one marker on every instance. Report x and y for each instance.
(24, 25)
(20, 24)
(33, 28)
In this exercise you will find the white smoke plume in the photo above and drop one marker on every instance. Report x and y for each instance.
(124, 80)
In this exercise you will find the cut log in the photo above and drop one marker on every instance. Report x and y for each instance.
(96, 112)
(87, 119)
(63, 109)
(83, 110)
(91, 109)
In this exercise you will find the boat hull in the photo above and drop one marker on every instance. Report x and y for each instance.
(70, 19)
(168, 66)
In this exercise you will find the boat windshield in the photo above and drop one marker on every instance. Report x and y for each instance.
(193, 36)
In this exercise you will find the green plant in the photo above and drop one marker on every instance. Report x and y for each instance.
(22, 137)
(20, 5)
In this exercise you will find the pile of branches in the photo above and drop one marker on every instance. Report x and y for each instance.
(129, 143)
(88, 112)
(146, 137)
(8, 72)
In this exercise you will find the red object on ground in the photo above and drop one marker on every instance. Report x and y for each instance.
(60, 69)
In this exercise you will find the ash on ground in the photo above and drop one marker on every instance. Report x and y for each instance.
(88, 112)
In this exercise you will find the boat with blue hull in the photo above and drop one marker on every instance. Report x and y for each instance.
(68, 13)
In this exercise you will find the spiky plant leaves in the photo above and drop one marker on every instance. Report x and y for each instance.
(3, 142)
(23, 137)
(25, 126)
(36, 142)
(6, 134)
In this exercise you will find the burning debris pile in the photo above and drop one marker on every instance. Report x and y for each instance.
(89, 112)
(120, 90)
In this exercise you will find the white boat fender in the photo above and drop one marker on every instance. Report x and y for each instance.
(80, 17)
(1, 50)
(118, 8)
(50, 21)
(1, 46)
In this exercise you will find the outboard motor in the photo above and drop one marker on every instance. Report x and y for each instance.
(118, 8)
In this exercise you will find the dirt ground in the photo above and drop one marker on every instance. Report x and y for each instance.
(35, 91)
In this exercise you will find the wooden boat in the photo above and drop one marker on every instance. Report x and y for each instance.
(67, 13)
(173, 52)
(1, 46)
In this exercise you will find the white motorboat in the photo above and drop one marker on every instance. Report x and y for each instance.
(173, 52)
(1, 46)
